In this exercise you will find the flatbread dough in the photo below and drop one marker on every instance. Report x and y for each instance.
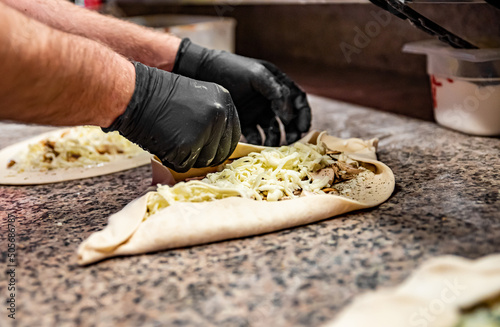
(431, 297)
(186, 223)
(13, 177)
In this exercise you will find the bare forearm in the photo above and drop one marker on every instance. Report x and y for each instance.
(141, 44)
(51, 77)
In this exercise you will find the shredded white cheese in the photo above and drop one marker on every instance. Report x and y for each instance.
(272, 175)
(78, 147)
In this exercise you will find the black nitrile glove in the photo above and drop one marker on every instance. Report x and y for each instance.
(259, 90)
(186, 123)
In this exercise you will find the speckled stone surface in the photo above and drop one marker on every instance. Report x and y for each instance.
(446, 202)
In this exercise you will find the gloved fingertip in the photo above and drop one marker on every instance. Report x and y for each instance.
(253, 138)
(283, 110)
(272, 140)
(188, 161)
(300, 101)
(275, 90)
(180, 168)
(292, 137)
(176, 168)
(266, 84)
(304, 120)
(278, 106)
(273, 133)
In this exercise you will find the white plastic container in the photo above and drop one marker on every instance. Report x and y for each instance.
(207, 31)
(465, 86)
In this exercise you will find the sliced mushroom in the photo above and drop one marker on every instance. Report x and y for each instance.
(325, 172)
(330, 190)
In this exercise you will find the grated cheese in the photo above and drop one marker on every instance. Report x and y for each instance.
(273, 174)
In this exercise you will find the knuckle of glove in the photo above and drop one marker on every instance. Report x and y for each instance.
(258, 69)
(183, 160)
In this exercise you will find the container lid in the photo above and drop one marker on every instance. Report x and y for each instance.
(436, 47)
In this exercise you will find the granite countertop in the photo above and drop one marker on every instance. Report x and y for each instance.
(446, 202)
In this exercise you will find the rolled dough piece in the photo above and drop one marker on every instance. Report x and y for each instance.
(432, 296)
(186, 223)
(10, 176)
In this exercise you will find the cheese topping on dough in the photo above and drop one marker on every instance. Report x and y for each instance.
(273, 174)
(77, 147)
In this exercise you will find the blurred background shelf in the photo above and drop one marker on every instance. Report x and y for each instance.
(287, 2)
(242, 2)
(345, 51)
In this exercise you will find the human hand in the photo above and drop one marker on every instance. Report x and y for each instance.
(260, 91)
(186, 123)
